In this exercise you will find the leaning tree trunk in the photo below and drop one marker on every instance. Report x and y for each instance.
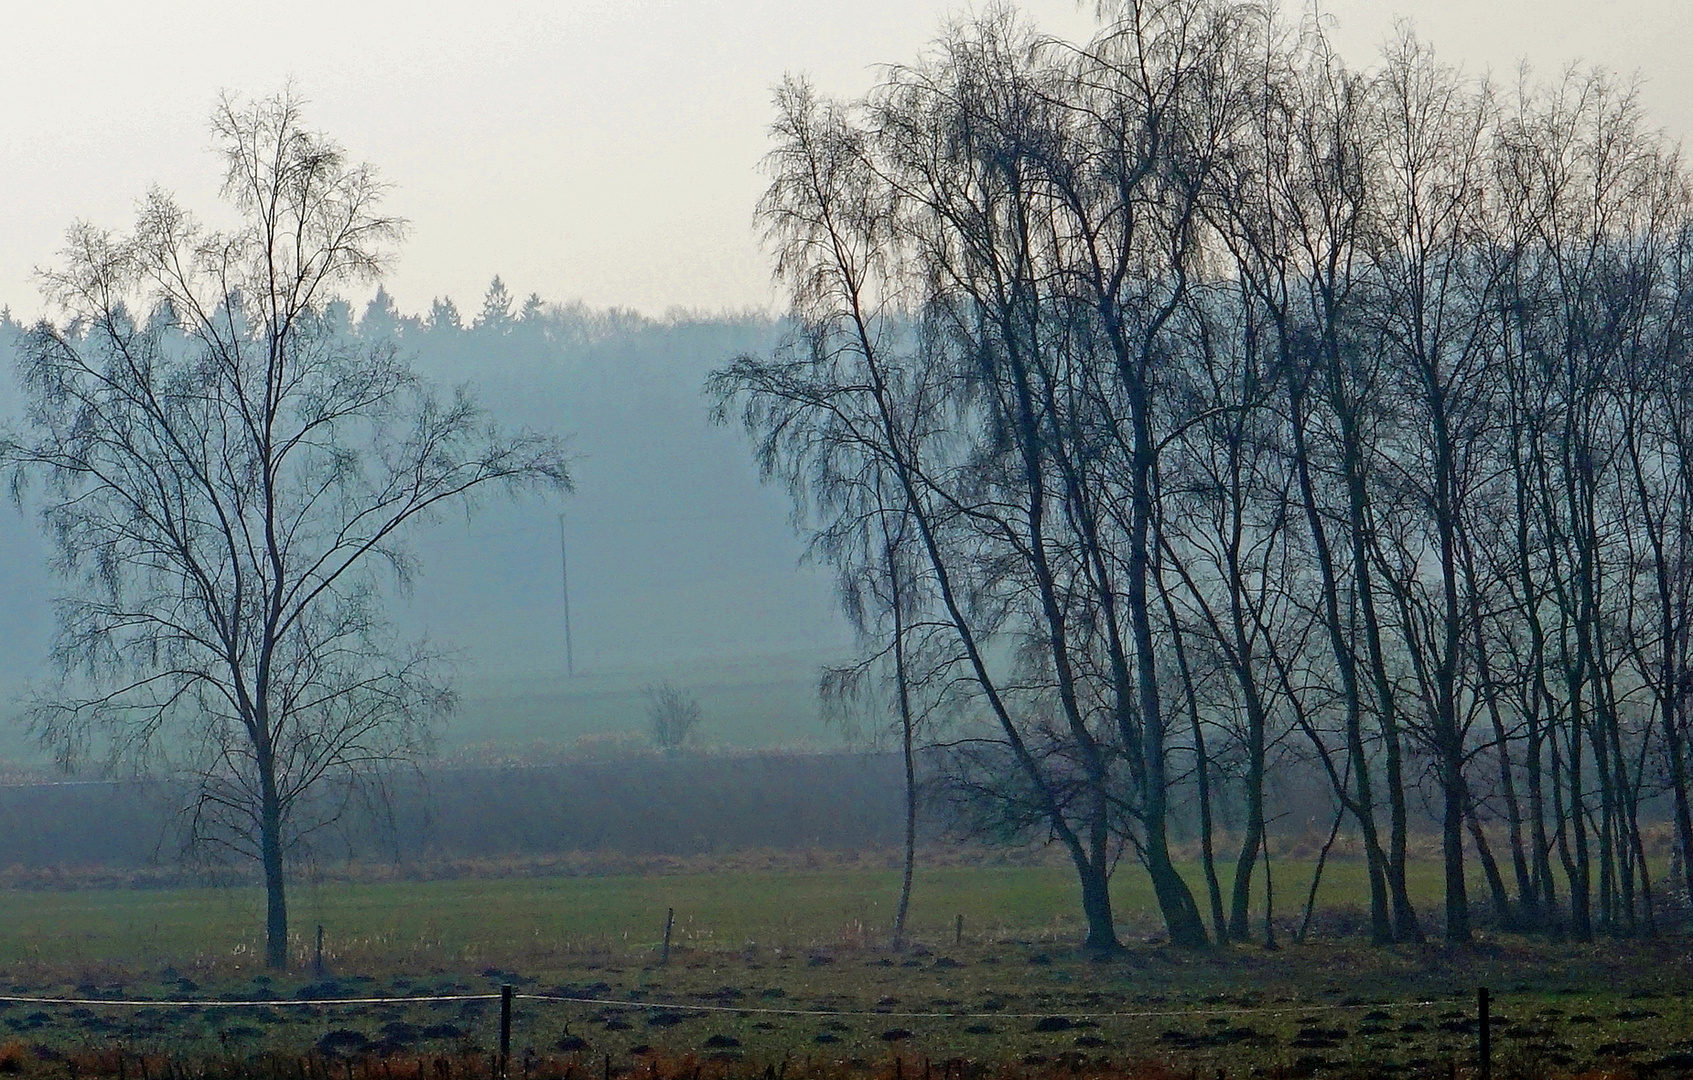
(1490, 865)
(910, 820)
(1175, 901)
(1254, 840)
(1096, 904)
(1202, 772)
(905, 725)
(1255, 731)
(1680, 786)
(1339, 634)
(1202, 767)
(1452, 847)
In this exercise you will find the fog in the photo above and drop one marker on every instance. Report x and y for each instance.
(606, 157)
(1174, 396)
(682, 564)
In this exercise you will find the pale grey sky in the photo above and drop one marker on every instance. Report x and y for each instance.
(596, 149)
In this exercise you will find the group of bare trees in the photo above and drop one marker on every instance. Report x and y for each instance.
(1185, 398)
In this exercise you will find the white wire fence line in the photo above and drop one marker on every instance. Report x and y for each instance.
(219, 1003)
(1092, 1014)
(751, 1010)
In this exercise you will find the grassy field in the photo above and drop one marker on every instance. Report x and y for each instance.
(532, 920)
(794, 966)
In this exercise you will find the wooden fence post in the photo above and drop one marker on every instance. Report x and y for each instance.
(1484, 1022)
(505, 1028)
(669, 921)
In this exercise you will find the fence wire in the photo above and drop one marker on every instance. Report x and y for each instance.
(749, 1010)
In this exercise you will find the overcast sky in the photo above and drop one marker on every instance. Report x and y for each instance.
(605, 150)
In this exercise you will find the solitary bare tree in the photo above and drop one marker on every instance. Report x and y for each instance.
(227, 474)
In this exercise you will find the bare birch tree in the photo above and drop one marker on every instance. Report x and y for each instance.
(228, 477)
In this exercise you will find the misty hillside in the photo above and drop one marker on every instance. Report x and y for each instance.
(682, 564)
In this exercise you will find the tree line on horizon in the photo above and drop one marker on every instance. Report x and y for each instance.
(532, 328)
(1186, 400)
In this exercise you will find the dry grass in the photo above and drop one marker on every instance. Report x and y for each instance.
(807, 941)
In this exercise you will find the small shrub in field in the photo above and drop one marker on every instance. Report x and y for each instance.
(673, 715)
(12, 1057)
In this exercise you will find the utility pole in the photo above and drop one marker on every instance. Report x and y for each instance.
(564, 575)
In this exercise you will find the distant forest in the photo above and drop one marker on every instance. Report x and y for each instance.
(682, 565)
